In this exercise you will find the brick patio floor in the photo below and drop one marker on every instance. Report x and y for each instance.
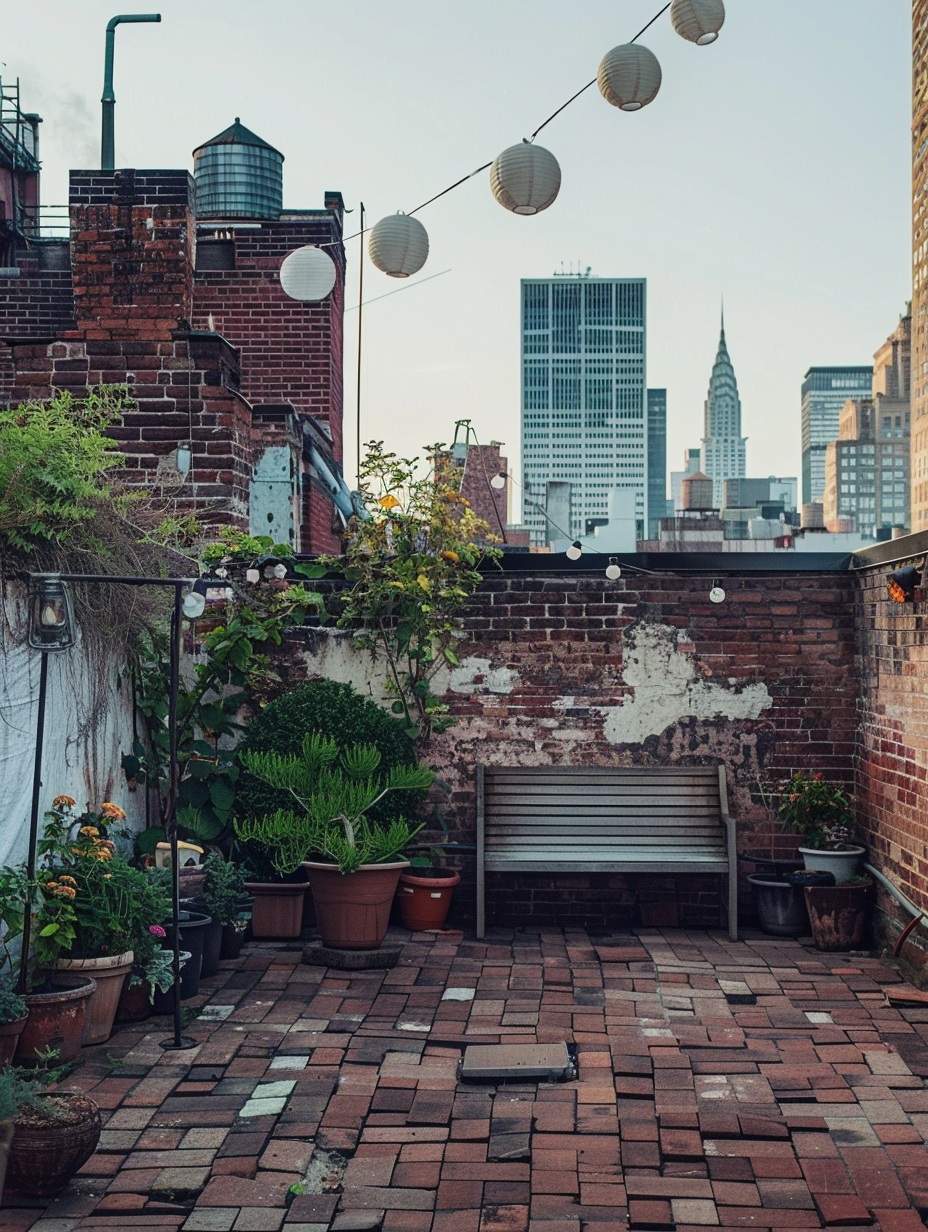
(749, 1085)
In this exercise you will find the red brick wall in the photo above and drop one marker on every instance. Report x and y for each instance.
(893, 755)
(549, 658)
(291, 351)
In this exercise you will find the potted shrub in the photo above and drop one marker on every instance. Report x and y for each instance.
(353, 862)
(54, 1132)
(13, 1014)
(839, 913)
(223, 898)
(14, 1093)
(823, 814)
(152, 973)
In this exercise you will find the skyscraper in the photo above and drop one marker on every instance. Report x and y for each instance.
(919, 464)
(723, 446)
(657, 461)
(824, 393)
(583, 397)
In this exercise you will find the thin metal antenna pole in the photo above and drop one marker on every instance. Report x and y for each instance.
(360, 333)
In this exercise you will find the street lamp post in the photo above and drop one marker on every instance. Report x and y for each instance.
(51, 628)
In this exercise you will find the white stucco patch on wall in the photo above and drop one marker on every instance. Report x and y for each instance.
(475, 675)
(668, 688)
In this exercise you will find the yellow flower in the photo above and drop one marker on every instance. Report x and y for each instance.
(63, 802)
(89, 831)
(112, 811)
(103, 853)
(388, 502)
(452, 556)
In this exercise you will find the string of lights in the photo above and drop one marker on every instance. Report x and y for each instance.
(525, 178)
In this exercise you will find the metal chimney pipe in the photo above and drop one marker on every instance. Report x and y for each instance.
(107, 143)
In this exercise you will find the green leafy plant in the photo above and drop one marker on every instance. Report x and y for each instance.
(16, 1092)
(822, 812)
(224, 896)
(86, 900)
(411, 570)
(12, 1007)
(335, 790)
(334, 710)
(233, 669)
(55, 459)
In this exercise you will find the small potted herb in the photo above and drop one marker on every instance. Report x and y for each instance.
(13, 1014)
(823, 814)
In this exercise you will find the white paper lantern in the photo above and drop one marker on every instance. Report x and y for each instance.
(698, 20)
(629, 77)
(525, 178)
(308, 274)
(399, 245)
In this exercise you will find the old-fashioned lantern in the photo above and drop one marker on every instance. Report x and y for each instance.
(398, 245)
(525, 178)
(699, 21)
(629, 77)
(902, 584)
(308, 274)
(51, 615)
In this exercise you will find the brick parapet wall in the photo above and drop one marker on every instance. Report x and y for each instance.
(893, 722)
(574, 670)
(35, 304)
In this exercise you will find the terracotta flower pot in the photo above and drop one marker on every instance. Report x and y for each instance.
(110, 975)
(278, 907)
(56, 1018)
(838, 914)
(353, 909)
(425, 896)
(9, 1034)
(134, 1003)
(45, 1152)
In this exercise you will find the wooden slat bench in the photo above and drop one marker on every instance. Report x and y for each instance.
(576, 819)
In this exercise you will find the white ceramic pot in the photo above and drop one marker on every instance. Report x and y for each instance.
(842, 863)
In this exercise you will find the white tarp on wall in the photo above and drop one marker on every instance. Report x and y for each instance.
(88, 726)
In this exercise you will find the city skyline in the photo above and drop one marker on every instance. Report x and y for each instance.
(698, 192)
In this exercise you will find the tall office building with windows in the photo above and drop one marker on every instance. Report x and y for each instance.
(658, 504)
(584, 398)
(824, 393)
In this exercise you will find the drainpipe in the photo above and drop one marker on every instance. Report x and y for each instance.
(918, 916)
(107, 142)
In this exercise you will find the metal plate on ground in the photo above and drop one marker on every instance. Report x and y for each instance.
(518, 1061)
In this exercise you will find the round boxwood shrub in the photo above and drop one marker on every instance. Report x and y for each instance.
(339, 712)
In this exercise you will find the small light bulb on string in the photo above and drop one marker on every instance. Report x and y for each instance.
(717, 594)
(253, 576)
(498, 481)
(575, 551)
(280, 571)
(613, 572)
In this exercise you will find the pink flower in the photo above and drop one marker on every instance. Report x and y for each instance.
(156, 930)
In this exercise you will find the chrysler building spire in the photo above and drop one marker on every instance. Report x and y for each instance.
(723, 446)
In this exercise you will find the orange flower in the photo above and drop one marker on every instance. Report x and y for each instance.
(64, 891)
(89, 831)
(63, 802)
(112, 811)
(67, 878)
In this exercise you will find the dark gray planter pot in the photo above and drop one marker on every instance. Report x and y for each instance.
(781, 907)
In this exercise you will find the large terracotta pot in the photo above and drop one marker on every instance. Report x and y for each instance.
(56, 1018)
(425, 896)
(9, 1034)
(839, 915)
(278, 907)
(353, 909)
(46, 1153)
(110, 975)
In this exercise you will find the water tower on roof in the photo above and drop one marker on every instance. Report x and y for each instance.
(238, 175)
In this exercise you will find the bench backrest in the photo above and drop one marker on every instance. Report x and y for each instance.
(599, 811)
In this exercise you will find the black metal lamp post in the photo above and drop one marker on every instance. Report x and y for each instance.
(51, 628)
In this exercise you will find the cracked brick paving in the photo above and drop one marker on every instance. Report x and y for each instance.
(756, 1084)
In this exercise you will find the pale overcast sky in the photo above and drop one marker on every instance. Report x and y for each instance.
(773, 169)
